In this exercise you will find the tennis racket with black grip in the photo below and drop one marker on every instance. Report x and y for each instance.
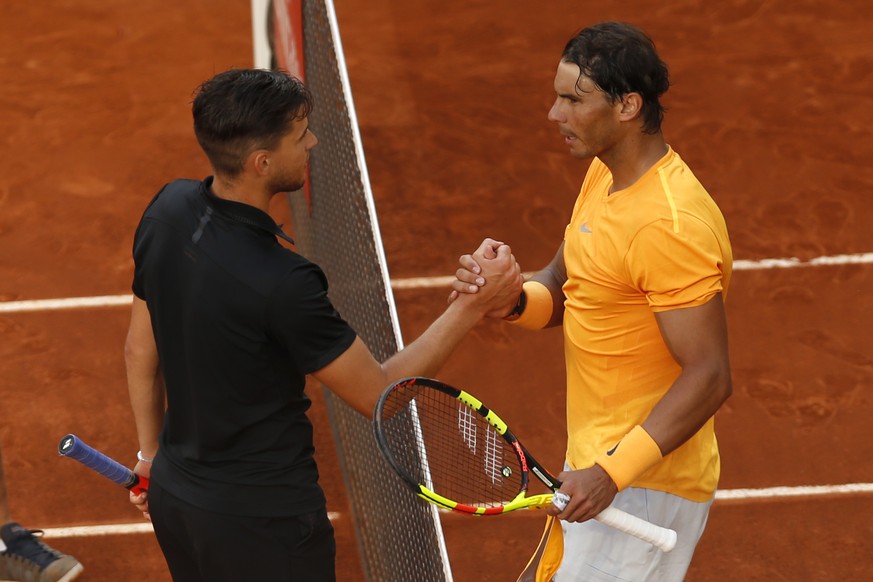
(456, 453)
(75, 448)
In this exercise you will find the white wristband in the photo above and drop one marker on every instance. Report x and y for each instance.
(143, 458)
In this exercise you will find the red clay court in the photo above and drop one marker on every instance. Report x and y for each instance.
(771, 107)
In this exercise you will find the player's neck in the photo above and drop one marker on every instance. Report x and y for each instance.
(241, 191)
(633, 157)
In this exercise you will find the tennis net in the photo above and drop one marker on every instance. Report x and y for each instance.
(399, 536)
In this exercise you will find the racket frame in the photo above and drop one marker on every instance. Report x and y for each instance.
(660, 537)
(526, 462)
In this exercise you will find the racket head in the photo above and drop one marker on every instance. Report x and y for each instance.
(451, 449)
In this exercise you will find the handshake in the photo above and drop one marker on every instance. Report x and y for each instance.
(489, 278)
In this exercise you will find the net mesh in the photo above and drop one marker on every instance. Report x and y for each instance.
(399, 536)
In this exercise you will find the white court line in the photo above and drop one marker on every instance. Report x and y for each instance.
(71, 303)
(802, 491)
(722, 495)
(425, 283)
(115, 529)
(793, 263)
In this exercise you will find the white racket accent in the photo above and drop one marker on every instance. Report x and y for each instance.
(660, 537)
(560, 500)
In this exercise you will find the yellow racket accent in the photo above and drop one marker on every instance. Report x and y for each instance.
(477, 405)
(520, 502)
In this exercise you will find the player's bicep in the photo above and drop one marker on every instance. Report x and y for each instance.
(697, 336)
(140, 342)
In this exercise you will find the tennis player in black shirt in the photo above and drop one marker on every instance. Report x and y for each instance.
(227, 323)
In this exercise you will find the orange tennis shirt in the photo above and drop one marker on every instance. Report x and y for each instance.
(660, 244)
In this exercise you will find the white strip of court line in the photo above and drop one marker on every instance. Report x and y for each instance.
(800, 491)
(86, 531)
(425, 283)
(71, 303)
(739, 265)
(722, 495)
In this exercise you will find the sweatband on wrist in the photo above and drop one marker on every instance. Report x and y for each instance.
(538, 306)
(635, 454)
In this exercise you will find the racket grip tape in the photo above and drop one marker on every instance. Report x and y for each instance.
(560, 500)
(75, 448)
(660, 537)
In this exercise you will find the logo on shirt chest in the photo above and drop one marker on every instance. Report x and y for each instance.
(585, 228)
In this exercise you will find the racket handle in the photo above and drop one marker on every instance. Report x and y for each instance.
(660, 537)
(560, 500)
(73, 447)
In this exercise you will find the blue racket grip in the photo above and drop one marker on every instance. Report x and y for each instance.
(75, 448)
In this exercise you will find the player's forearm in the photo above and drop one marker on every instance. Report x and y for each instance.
(147, 397)
(693, 399)
(357, 378)
(144, 381)
(429, 352)
(697, 339)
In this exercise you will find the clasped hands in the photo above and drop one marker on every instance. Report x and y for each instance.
(491, 276)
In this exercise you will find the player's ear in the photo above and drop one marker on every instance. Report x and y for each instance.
(259, 162)
(631, 106)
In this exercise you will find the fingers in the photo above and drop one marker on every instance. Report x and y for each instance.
(141, 502)
(576, 504)
(488, 248)
(492, 255)
(467, 281)
(502, 251)
(468, 263)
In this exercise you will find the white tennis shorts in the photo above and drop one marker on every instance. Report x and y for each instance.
(594, 552)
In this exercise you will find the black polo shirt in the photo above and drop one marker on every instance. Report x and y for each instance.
(239, 321)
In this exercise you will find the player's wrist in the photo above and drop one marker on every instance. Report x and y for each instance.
(535, 309)
(145, 458)
(469, 306)
(632, 456)
(520, 304)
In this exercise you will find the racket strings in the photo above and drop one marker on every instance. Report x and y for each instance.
(449, 448)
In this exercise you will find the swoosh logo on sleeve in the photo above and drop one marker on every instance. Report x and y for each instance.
(584, 228)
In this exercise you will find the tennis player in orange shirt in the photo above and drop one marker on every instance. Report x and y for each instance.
(638, 284)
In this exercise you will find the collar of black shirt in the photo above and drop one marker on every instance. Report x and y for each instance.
(243, 213)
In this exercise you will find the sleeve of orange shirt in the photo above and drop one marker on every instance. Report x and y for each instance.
(678, 263)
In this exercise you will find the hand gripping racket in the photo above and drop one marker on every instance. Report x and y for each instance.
(456, 453)
(73, 447)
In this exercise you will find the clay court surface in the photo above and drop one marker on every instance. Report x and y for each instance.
(771, 106)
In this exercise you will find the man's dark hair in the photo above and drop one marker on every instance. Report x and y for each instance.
(241, 110)
(620, 59)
